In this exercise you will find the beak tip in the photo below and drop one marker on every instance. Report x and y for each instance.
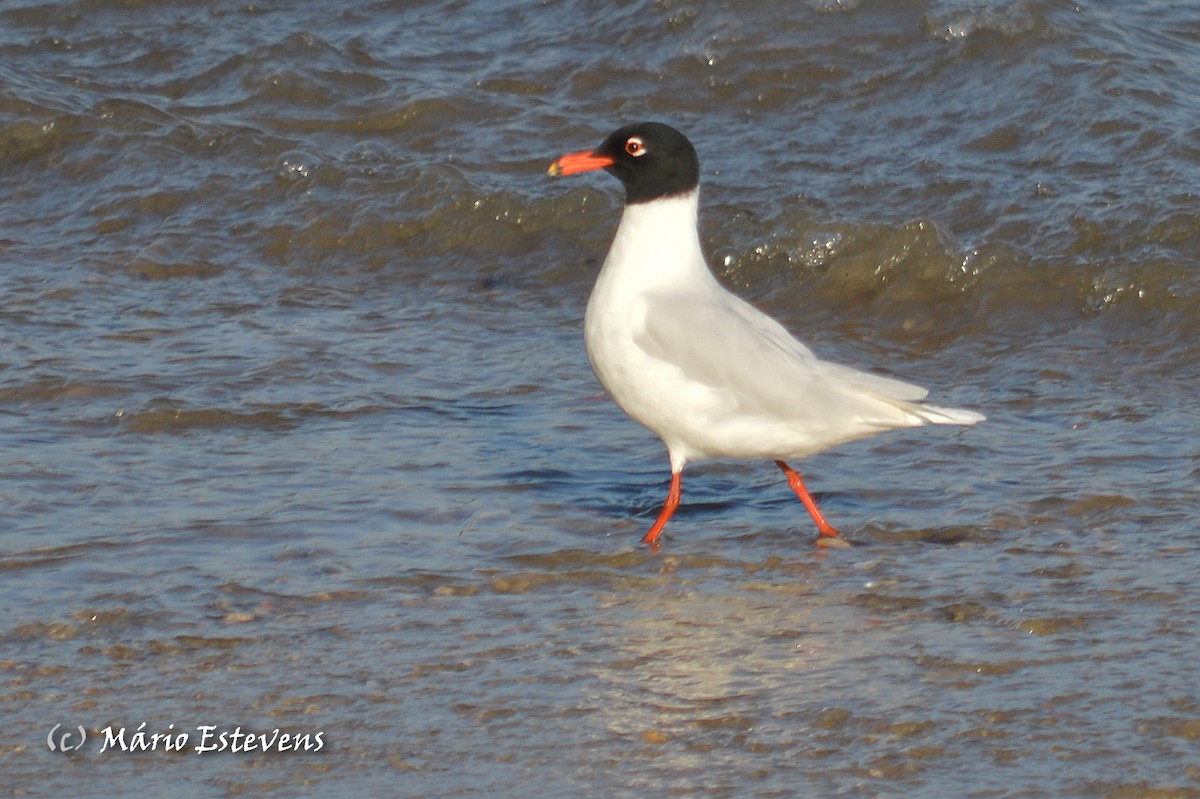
(555, 170)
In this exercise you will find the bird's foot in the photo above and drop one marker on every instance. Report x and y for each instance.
(834, 541)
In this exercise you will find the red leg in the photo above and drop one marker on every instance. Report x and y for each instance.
(668, 509)
(823, 527)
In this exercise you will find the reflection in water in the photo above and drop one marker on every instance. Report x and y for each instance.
(299, 432)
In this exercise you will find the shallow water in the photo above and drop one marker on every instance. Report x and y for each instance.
(300, 434)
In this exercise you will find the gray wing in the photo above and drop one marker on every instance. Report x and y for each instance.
(732, 347)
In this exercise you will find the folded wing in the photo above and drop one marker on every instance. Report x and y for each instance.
(725, 343)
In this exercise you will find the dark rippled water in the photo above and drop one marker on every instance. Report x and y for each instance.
(299, 434)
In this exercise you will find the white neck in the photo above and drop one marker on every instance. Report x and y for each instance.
(657, 244)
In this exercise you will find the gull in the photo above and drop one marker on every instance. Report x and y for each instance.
(708, 373)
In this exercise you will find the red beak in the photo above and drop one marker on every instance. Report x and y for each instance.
(574, 163)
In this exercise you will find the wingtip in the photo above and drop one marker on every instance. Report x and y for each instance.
(935, 414)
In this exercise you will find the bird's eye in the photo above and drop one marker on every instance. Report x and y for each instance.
(635, 147)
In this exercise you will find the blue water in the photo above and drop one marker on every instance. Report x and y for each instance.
(299, 432)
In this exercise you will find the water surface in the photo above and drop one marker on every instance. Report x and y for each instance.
(299, 433)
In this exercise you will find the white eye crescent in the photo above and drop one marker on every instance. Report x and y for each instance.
(635, 146)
